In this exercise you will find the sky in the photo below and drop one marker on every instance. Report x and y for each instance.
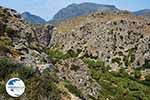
(48, 8)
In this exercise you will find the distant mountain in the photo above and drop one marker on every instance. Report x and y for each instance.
(75, 10)
(32, 18)
(144, 12)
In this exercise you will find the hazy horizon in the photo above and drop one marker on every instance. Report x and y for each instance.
(48, 8)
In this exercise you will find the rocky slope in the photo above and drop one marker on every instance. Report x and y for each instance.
(114, 45)
(117, 38)
(22, 38)
(24, 53)
(100, 56)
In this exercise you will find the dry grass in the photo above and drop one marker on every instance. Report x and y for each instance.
(68, 25)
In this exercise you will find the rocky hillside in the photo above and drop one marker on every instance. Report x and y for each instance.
(118, 38)
(25, 53)
(75, 10)
(33, 19)
(115, 47)
(101, 56)
(18, 38)
(22, 55)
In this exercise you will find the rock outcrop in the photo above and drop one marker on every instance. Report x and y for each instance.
(75, 71)
(116, 37)
(22, 41)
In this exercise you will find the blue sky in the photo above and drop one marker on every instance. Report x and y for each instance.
(47, 8)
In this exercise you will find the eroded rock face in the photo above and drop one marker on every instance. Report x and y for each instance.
(44, 34)
(75, 71)
(109, 36)
(22, 41)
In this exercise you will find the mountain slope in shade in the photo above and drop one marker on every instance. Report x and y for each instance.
(32, 18)
(75, 10)
(142, 12)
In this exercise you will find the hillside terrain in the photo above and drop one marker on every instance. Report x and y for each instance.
(103, 55)
(117, 40)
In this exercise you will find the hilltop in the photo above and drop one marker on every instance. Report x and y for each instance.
(33, 19)
(75, 10)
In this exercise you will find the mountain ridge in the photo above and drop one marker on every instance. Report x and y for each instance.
(74, 10)
(142, 12)
(31, 18)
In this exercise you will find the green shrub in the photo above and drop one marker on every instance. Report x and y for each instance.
(133, 86)
(71, 53)
(5, 41)
(43, 86)
(117, 60)
(75, 67)
(130, 57)
(2, 88)
(94, 63)
(73, 89)
(118, 85)
(137, 73)
(58, 54)
(147, 77)
(9, 30)
(26, 72)
(122, 72)
(7, 66)
(147, 63)
(2, 15)
(138, 95)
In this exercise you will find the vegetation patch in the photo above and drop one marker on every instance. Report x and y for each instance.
(73, 89)
(116, 85)
(58, 54)
(46, 81)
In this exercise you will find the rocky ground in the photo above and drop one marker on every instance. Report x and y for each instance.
(119, 38)
(101, 56)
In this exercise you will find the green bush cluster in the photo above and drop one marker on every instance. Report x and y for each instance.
(118, 85)
(9, 30)
(130, 57)
(2, 88)
(43, 86)
(37, 85)
(73, 89)
(147, 63)
(2, 15)
(5, 41)
(117, 60)
(7, 66)
(58, 54)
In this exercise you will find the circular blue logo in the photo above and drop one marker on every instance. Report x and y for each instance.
(15, 87)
